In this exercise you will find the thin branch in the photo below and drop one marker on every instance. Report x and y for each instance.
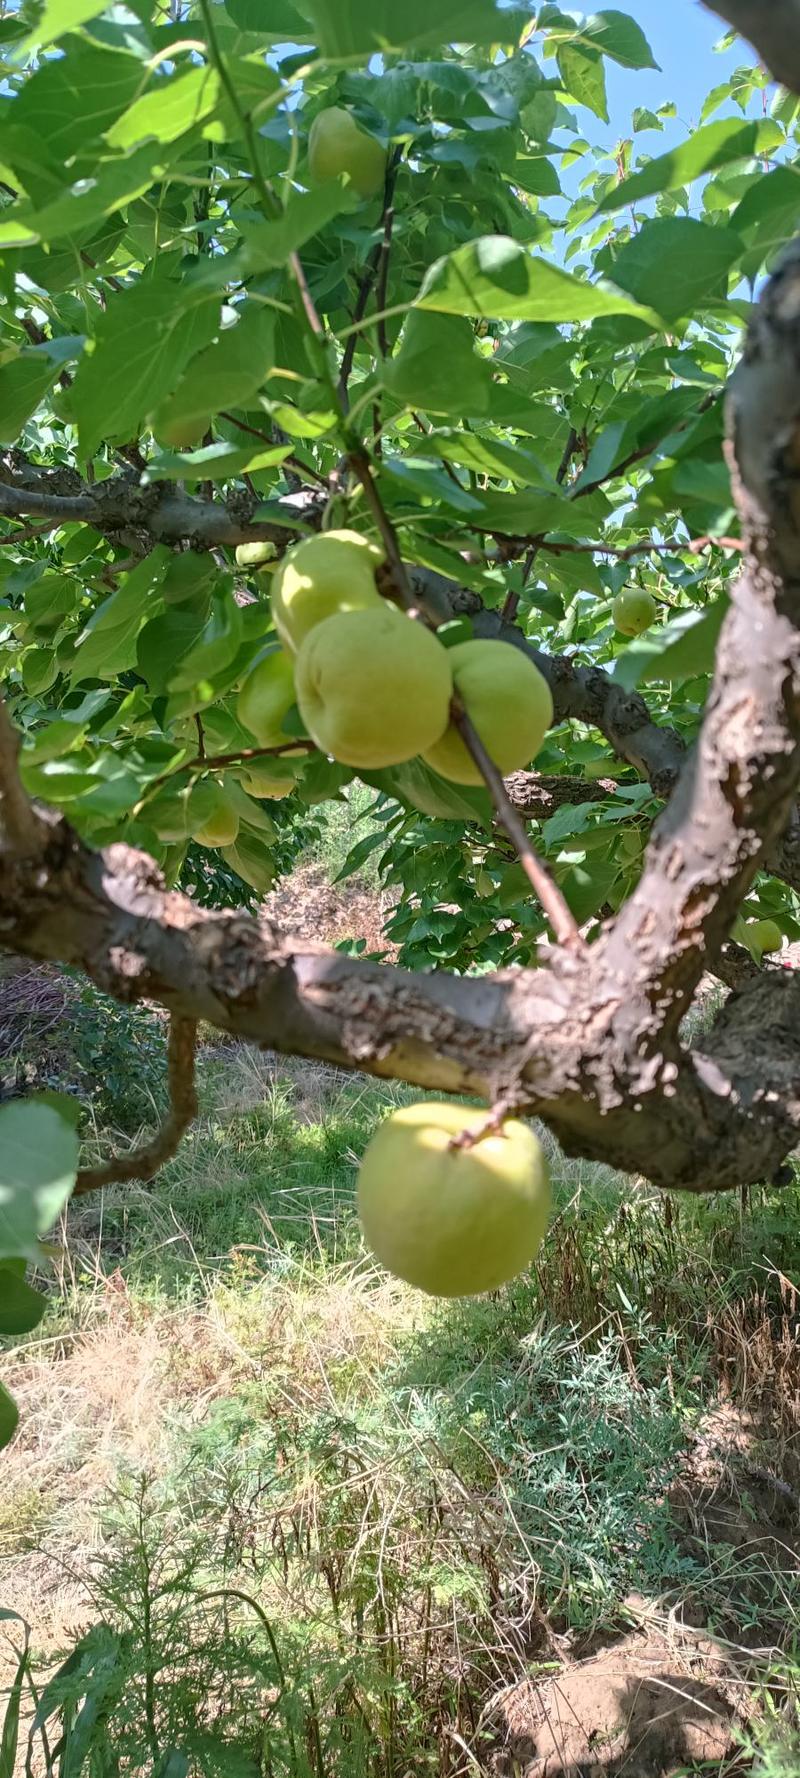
(563, 923)
(303, 469)
(511, 606)
(385, 252)
(218, 762)
(645, 450)
(676, 546)
(552, 901)
(368, 278)
(360, 464)
(269, 202)
(145, 1162)
(18, 818)
(26, 534)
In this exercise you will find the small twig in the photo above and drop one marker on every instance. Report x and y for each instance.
(377, 266)
(217, 762)
(511, 606)
(675, 546)
(385, 251)
(201, 739)
(144, 1162)
(644, 450)
(17, 814)
(492, 1125)
(303, 469)
(26, 533)
(563, 923)
(361, 467)
(700, 543)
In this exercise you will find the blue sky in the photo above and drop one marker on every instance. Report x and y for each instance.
(682, 35)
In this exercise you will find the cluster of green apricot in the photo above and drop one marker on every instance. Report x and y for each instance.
(450, 1208)
(375, 688)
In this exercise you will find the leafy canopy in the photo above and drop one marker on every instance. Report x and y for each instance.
(534, 368)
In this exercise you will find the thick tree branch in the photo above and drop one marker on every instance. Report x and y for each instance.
(145, 1162)
(166, 515)
(715, 1117)
(538, 795)
(19, 825)
(773, 28)
(735, 797)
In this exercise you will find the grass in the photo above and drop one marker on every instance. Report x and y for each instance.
(289, 1517)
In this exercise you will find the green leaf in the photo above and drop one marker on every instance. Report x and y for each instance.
(358, 854)
(217, 644)
(108, 644)
(584, 890)
(495, 278)
(9, 1421)
(145, 338)
(583, 76)
(228, 372)
(715, 146)
(419, 787)
(21, 1308)
(170, 107)
(306, 213)
(72, 99)
(9, 1739)
(437, 367)
(116, 183)
(618, 36)
(63, 1103)
(215, 462)
(766, 217)
(526, 513)
(676, 263)
(323, 779)
(39, 670)
(49, 599)
(38, 1163)
(361, 27)
(56, 18)
(23, 382)
(252, 861)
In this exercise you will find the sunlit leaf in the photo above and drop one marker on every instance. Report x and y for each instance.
(38, 1161)
(674, 263)
(496, 278)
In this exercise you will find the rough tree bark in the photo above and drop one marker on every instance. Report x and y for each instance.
(590, 1043)
(773, 28)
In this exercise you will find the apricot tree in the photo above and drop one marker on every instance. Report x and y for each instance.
(507, 373)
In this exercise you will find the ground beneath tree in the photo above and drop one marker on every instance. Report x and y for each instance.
(648, 1707)
(665, 1696)
(307, 904)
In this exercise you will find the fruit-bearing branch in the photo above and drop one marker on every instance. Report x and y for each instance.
(591, 1042)
(584, 694)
